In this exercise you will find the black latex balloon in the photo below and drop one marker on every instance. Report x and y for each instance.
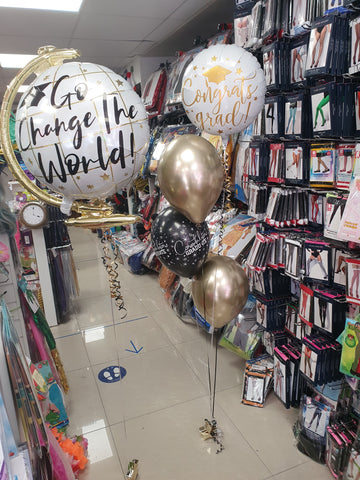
(180, 245)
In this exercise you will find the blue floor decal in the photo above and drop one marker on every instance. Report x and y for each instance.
(111, 374)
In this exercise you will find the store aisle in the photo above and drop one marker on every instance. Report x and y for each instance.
(154, 412)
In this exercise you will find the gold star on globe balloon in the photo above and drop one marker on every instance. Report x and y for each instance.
(217, 74)
(119, 82)
(105, 177)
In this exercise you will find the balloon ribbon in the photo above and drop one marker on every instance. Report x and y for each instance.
(111, 267)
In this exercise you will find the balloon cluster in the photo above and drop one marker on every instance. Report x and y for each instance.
(223, 92)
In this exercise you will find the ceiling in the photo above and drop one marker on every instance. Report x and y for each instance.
(110, 32)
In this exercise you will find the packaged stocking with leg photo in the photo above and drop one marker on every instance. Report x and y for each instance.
(353, 280)
(297, 162)
(323, 108)
(298, 54)
(350, 222)
(318, 262)
(293, 250)
(354, 65)
(316, 208)
(321, 44)
(339, 268)
(322, 165)
(299, 17)
(274, 116)
(282, 376)
(277, 163)
(271, 66)
(345, 158)
(296, 116)
(306, 305)
(335, 206)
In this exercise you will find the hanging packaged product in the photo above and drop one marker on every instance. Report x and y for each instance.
(345, 158)
(274, 116)
(297, 116)
(258, 380)
(349, 229)
(335, 206)
(322, 165)
(242, 335)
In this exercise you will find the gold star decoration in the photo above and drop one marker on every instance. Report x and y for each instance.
(61, 188)
(98, 82)
(105, 176)
(195, 67)
(217, 74)
(90, 187)
(239, 71)
(30, 161)
(120, 83)
(46, 78)
(78, 177)
(220, 132)
(214, 59)
(84, 70)
(255, 98)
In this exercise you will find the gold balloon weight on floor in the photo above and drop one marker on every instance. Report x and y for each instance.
(81, 131)
(133, 470)
(211, 430)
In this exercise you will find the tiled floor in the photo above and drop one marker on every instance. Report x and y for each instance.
(154, 412)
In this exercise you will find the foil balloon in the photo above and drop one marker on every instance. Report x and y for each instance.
(82, 131)
(179, 244)
(223, 89)
(220, 290)
(191, 176)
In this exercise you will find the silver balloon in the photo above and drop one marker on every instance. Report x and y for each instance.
(220, 290)
(191, 176)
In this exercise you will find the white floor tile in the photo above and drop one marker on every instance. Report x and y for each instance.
(177, 330)
(105, 343)
(103, 459)
(134, 307)
(230, 367)
(66, 328)
(154, 380)
(151, 297)
(309, 469)
(260, 427)
(92, 277)
(72, 351)
(86, 245)
(93, 312)
(84, 406)
(170, 447)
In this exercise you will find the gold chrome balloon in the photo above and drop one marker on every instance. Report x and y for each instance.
(191, 176)
(91, 216)
(220, 290)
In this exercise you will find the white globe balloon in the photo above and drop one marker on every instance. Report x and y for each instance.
(82, 130)
(223, 89)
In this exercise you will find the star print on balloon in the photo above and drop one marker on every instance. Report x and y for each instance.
(180, 245)
(228, 95)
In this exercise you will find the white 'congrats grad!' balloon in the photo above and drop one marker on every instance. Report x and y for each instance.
(223, 89)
